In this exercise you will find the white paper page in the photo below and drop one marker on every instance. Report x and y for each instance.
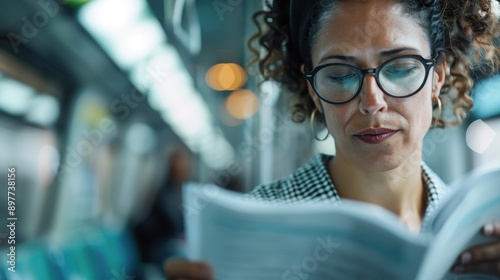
(461, 188)
(244, 239)
(461, 230)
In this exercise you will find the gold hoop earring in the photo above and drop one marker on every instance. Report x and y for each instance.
(435, 120)
(313, 115)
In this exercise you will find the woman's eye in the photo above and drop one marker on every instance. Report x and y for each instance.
(342, 77)
(400, 70)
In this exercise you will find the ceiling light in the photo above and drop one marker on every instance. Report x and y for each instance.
(15, 96)
(44, 110)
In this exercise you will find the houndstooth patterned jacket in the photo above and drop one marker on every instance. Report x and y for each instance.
(311, 183)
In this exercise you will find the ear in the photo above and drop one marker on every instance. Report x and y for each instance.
(312, 94)
(439, 77)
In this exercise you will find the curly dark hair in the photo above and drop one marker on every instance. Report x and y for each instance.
(461, 31)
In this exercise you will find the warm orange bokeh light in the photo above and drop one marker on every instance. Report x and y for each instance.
(242, 104)
(226, 76)
(226, 118)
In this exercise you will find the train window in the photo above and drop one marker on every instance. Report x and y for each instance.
(35, 164)
(29, 110)
(22, 101)
(86, 163)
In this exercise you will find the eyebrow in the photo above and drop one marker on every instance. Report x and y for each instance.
(386, 53)
(396, 51)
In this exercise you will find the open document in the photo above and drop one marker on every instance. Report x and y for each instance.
(245, 239)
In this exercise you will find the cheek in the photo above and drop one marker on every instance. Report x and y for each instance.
(418, 112)
(337, 116)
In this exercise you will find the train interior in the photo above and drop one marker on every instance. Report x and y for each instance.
(107, 107)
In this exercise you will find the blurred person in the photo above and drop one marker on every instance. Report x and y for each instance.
(159, 234)
(378, 74)
(235, 184)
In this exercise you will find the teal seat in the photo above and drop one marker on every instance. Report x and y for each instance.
(31, 263)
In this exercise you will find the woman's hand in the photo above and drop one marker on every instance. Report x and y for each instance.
(483, 258)
(181, 269)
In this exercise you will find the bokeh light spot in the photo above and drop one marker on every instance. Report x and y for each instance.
(226, 76)
(479, 136)
(242, 104)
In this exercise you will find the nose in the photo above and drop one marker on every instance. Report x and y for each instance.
(372, 97)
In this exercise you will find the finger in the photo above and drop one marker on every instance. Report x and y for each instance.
(176, 268)
(481, 253)
(492, 229)
(491, 268)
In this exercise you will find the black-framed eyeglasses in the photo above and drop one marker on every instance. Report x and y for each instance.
(399, 77)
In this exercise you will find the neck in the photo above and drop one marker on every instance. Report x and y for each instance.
(400, 190)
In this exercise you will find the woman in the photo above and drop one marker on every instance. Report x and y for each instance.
(377, 74)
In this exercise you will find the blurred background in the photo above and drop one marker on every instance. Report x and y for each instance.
(108, 106)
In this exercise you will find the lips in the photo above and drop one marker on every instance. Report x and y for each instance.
(376, 135)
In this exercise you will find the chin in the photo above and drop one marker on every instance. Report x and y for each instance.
(380, 163)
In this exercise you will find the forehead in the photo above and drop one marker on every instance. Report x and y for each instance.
(364, 29)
